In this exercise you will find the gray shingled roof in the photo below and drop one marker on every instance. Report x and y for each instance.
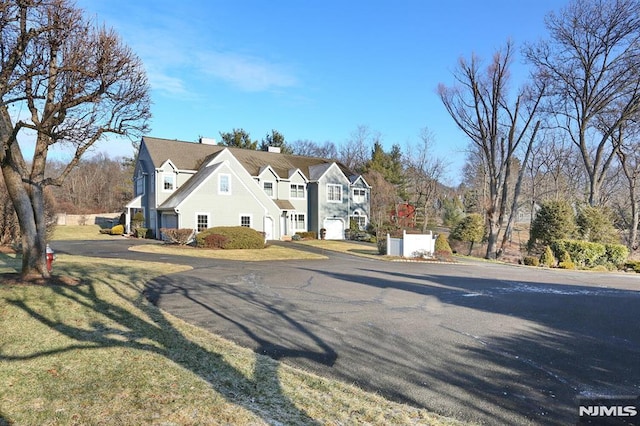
(191, 155)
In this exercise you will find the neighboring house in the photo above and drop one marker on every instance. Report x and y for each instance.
(201, 185)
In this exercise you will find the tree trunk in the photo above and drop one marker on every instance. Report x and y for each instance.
(33, 240)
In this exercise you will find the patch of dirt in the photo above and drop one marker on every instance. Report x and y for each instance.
(17, 279)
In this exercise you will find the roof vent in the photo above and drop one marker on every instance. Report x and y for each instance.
(208, 141)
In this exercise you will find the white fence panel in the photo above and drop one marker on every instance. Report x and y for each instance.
(411, 245)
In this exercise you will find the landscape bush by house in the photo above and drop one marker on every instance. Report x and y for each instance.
(215, 241)
(311, 235)
(238, 237)
(181, 236)
(117, 230)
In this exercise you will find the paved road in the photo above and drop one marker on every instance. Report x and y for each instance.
(484, 342)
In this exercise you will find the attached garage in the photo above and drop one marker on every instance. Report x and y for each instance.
(335, 229)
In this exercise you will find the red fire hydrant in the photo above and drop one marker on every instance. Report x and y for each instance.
(50, 258)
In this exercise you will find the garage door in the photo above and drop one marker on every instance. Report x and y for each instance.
(335, 229)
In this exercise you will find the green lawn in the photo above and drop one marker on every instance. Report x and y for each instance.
(100, 353)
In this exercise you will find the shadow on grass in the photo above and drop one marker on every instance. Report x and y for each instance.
(130, 321)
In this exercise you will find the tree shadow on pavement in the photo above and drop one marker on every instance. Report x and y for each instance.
(567, 342)
(138, 324)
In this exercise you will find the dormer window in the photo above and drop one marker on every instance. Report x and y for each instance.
(297, 190)
(168, 182)
(268, 188)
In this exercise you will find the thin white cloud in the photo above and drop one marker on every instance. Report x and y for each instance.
(171, 86)
(248, 73)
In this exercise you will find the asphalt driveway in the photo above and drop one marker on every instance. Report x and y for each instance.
(483, 342)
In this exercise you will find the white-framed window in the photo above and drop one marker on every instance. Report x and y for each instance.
(298, 221)
(360, 219)
(168, 182)
(334, 193)
(359, 195)
(202, 221)
(268, 188)
(297, 190)
(245, 220)
(224, 184)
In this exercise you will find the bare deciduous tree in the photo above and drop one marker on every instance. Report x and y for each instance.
(590, 64)
(423, 171)
(357, 150)
(481, 108)
(78, 83)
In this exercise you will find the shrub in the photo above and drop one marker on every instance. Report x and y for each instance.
(634, 265)
(310, 235)
(138, 220)
(239, 237)
(471, 229)
(547, 258)
(595, 224)
(177, 236)
(215, 241)
(105, 231)
(117, 230)
(296, 237)
(566, 262)
(582, 253)
(530, 261)
(141, 232)
(554, 221)
(442, 249)
(382, 246)
(616, 253)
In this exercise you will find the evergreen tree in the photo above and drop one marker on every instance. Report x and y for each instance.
(238, 138)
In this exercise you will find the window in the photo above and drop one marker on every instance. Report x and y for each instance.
(268, 188)
(334, 193)
(297, 191)
(359, 195)
(245, 220)
(140, 185)
(360, 220)
(202, 221)
(168, 182)
(298, 222)
(224, 184)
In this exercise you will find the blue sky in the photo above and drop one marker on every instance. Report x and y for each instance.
(311, 70)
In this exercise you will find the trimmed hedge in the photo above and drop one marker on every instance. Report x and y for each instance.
(238, 237)
(616, 253)
(588, 254)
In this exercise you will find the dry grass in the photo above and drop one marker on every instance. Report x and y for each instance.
(79, 232)
(364, 250)
(270, 253)
(100, 353)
